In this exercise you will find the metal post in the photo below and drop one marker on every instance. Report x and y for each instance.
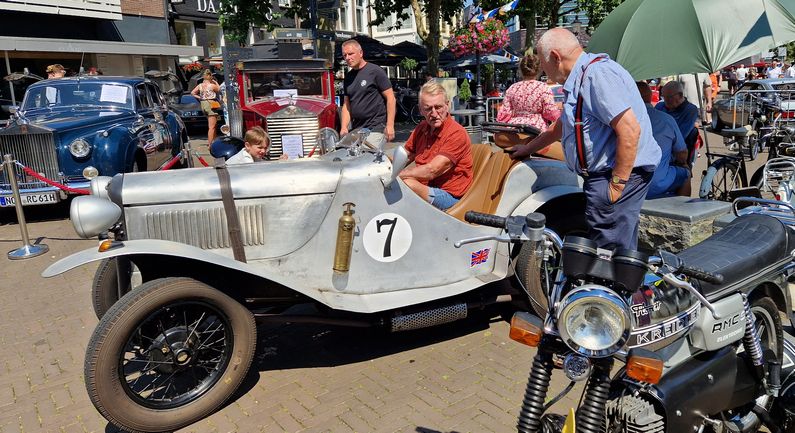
(10, 84)
(477, 99)
(27, 250)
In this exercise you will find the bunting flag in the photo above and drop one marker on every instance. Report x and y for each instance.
(502, 10)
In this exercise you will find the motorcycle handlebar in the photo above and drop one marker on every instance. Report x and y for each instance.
(702, 275)
(485, 219)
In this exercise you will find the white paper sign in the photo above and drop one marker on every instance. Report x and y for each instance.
(293, 146)
(52, 95)
(112, 93)
(285, 93)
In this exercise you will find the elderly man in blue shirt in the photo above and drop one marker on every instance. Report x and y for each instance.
(606, 135)
(683, 111)
(672, 176)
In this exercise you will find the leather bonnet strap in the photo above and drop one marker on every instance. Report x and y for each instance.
(232, 220)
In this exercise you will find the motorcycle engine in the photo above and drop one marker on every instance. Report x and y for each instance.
(634, 414)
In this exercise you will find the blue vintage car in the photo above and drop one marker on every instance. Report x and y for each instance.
(71, 130)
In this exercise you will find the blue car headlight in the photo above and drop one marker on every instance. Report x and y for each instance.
(80, 148)
(593, 321)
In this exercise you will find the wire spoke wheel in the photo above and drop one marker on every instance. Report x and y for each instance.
(167, 354)
(720, 179)
(175, 355)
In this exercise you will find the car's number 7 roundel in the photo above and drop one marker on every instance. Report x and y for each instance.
(387, 237)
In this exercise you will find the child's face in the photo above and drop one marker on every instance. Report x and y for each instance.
(257, 150)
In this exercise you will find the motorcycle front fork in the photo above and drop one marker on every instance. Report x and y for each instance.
(590, 415)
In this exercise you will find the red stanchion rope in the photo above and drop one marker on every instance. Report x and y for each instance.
(30, 172)
(204, 163)
(171, 162)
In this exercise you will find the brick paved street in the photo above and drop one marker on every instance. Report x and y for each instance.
(463, 377)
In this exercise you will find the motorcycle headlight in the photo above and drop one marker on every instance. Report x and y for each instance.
(593, 321)
(80, 148)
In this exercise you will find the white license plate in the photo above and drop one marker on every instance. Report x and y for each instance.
(30, 199)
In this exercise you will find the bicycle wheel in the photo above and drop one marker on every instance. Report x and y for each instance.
(415, 115)
(720, 178)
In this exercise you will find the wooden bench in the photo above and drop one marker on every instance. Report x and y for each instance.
(675, 223)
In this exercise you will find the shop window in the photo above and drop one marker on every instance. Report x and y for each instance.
(214, 40)
(185, 33)
(343, 19)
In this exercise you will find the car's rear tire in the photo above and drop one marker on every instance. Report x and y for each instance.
(528, 266)
(171, 334)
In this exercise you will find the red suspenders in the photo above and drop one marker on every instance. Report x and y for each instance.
(578, 132)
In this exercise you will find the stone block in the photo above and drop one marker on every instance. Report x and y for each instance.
(675, 223)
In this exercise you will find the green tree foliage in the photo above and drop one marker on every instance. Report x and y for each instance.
(409, 64)
(597, 10)
(238, 16)
(427, 19)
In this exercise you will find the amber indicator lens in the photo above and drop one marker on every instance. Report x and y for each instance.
(644, 369)
(526, 329)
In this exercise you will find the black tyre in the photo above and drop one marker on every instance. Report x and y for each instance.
(168, 354)
(717, 125)
(768, 324)
(105, 288)
(719, 180)
(415, 115)
(533, 279)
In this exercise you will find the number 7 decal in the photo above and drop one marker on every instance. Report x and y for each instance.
(387, 237)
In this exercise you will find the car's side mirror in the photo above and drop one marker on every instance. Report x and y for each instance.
(399, 160)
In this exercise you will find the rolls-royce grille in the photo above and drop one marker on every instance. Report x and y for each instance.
(306, 127)
(34, 150)
(205, 228)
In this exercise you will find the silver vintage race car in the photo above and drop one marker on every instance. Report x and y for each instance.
(187, 269)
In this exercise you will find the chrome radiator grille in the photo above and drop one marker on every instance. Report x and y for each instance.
(34, 150)
(304, 126)
(206, 228)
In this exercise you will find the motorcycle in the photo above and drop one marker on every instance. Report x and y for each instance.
(699, 332)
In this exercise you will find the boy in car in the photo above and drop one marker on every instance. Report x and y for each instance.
(256, 143)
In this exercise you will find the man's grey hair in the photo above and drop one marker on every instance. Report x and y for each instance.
(558, 39)
(432, 88)
(675, 86)
(352, 42)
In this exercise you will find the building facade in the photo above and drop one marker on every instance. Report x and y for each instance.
(119, 37)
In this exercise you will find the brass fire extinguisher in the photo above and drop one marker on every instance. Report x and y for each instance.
(345, 227)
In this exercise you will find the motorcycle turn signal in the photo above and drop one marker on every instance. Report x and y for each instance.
(644, 366)
(526, 329)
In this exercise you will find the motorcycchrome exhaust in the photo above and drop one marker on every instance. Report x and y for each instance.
(426, 318)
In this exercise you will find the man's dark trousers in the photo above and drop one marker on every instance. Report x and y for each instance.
(615, 225)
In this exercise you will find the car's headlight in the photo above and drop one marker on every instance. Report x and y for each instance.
(594, 321)
(328, 139)
(80, 148)
(92, 215)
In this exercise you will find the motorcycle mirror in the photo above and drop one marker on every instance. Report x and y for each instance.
(670, 259)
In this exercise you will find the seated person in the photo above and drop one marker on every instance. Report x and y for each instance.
(671, 175)
(683, 111)
(441, 150)
(256, 143)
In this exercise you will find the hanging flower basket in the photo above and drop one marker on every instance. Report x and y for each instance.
(192, 67)
(485, 37)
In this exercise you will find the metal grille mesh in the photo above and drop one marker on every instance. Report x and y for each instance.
(304, 126)
(206, 228)
(34, 150)
(424, 319)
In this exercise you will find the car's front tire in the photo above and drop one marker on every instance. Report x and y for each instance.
(168, 354)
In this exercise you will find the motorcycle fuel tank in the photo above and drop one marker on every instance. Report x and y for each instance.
(660, 314)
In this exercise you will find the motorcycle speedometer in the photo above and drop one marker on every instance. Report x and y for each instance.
(593, 321)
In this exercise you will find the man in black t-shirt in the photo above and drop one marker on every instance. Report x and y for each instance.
(369, 99)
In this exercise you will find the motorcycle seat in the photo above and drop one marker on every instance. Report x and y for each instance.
(747, 245)
(742, 131)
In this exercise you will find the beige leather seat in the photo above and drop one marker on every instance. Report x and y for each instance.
(480, 156)
(486, 190)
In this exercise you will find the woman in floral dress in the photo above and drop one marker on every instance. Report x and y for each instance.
(529, 102)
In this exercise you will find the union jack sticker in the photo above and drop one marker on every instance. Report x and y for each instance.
(478, 257)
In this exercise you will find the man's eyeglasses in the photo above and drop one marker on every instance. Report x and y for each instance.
(437, 108)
